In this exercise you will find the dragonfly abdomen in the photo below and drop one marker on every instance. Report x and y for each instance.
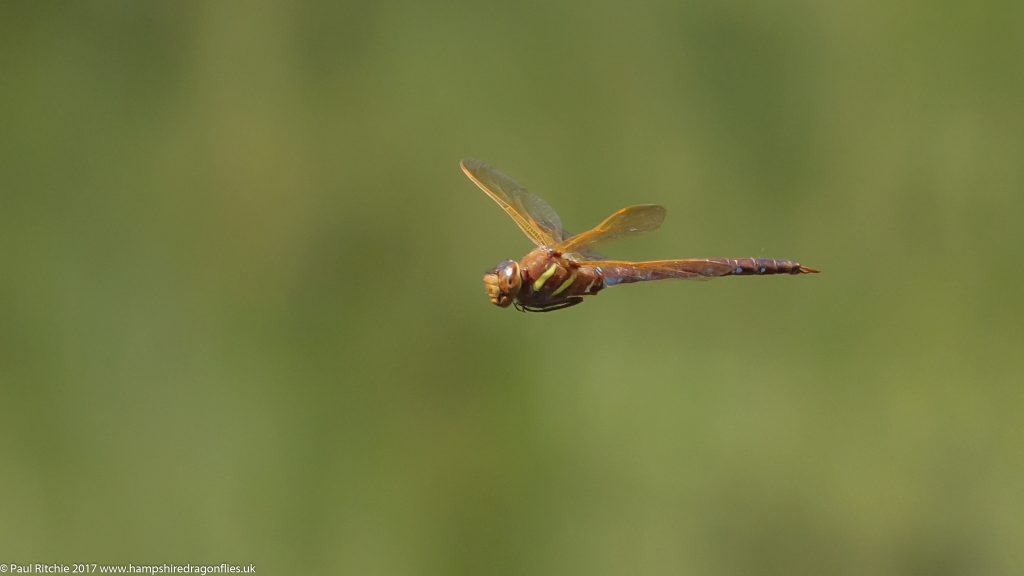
(763, 266)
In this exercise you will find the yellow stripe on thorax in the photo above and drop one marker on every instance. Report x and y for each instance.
(568, 282)
(539, 282)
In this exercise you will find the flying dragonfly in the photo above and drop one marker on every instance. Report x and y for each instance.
(564, 268)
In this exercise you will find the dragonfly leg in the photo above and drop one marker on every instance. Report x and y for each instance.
(566, 304)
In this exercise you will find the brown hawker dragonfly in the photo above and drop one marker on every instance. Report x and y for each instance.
(562, 269)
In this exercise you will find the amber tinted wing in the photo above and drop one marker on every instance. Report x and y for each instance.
(625, 222)
(535, 217)
(625, 272)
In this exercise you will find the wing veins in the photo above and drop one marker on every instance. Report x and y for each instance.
(535, 218)
(623, 223)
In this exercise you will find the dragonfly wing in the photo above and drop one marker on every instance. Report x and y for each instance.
(535, 217)
(584, 255)
(625, 222)
(626, 272)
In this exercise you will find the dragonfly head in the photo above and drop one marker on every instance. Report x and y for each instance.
(503, 283)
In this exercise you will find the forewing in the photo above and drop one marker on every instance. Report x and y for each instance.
(625, 272)
(535, 217)
(625, 222)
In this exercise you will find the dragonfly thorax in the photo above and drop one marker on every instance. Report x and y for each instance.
(503, 283)
(550, 281)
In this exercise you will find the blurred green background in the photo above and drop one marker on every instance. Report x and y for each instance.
(241, 315)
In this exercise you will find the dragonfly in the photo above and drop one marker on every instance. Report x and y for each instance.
(563, 269)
